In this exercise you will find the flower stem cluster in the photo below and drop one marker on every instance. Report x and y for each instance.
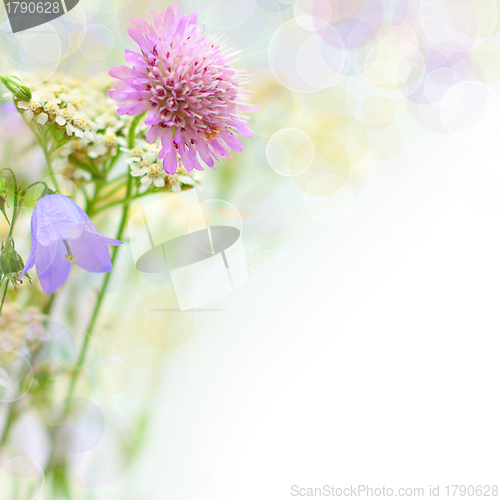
(182, 106)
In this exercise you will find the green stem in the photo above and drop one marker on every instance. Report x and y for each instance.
(119, 202)
(15, 209)
(11, 418)
(99, 183)
(114, 159)
(90, 329)
(115, 189)
(107, 278)
(86, 197)
(35, 184)
(48, 159)
(4, 295)
(48, 305)
(100, 297)
(132, 129)
(88, 167)
(115, 184)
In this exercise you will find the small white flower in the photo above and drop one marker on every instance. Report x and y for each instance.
(90, 135)
(43, 118)
(150, 158)
(132, 160)
(96, 150)
(185, 179)
(82, 174)
(196, 175)
(159, 182)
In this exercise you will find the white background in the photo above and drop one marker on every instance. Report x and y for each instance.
(381, 369)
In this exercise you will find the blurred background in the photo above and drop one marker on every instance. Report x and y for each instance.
(363, 347)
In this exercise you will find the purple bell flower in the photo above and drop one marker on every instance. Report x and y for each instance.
(62, 234)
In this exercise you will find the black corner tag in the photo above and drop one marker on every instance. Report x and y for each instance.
(71, 4)
(26, 14)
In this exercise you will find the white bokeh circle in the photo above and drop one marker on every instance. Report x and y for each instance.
(66, 346)
(16, 373)
(438, 82)
(21, 477)
(320, 61)
(97, 42)
(306, 61)
(39, 52)
(290, 147)
(313, 14)
(470, 110)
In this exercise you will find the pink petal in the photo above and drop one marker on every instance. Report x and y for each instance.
(205, 155)
(132, 57)
(133, 109)
(233, 142)
(152, 134)
(121, 72)
(166, 139)
(170, 161)
(244, 130)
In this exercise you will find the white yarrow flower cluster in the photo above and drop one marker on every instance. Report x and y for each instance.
(56, 103)
(108, 126)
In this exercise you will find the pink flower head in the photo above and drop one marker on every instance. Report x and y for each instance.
(185, 82)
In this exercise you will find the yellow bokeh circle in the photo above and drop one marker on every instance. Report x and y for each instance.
(279, 107)
(392, 57)
(475, 18)
(106, 330)
(163, 310)
(484, 62)
(141, 343)
(331, 103)
(290, 152)
(342, 141)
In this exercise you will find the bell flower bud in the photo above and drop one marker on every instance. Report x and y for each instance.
(17, 87)
(11, 263)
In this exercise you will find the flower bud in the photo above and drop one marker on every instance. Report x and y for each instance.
(16, 86)
(11, 263)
